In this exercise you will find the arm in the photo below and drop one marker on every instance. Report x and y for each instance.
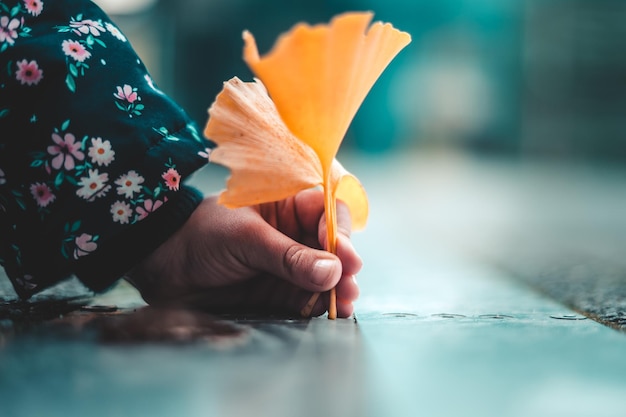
(264, 258)
(92, 153)
(92, 160)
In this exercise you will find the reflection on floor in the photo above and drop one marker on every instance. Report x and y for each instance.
(450, 322)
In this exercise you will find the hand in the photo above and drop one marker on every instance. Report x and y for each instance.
(265, 258)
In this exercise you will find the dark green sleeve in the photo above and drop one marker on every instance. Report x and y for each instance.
(93, 156)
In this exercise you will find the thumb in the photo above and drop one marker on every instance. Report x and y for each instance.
(311, 269)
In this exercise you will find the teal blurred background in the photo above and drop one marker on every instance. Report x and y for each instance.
(493, 149)
(515, 77)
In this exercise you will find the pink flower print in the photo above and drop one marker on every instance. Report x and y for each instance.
(206, 153)
(115, 32)
(126, 93)
(94, 185)
(75, 50)
(87, 26)
(42, 194)
(100, 152)
(85, 244)
(172, 179)
(26, 282)
(129, 183)
(128, 100)
(34, 7)
(28, 72)
(65, 151)
(148, 207)
(8, 29)
(121, 212)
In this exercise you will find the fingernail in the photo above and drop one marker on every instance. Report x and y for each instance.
(322, 271)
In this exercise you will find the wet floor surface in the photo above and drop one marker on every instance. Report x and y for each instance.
(463, 312)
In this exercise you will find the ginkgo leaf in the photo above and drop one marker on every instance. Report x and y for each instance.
(318, 76)
(267, 162)
(256, 145)
(281, 143)
(347, 188)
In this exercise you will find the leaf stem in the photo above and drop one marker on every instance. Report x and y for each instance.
(330, 208)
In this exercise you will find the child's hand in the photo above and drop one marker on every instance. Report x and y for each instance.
(253, 259)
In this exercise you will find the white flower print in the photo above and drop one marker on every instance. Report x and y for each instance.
(93, 186)
(129, 183)
(3, 178)
(79, 51)
(8, 29)
(115, 32)
(87, 26)
(100, 152)
(121, 212)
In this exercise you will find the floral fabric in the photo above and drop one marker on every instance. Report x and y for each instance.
(90, 148)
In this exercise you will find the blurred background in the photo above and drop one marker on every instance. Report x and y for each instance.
(517, 77)
(498, 134)
(493, 151)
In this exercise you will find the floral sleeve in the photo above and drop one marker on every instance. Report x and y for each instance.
(92, 153)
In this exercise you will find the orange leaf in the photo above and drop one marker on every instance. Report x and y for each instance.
(319, 75)
(267, 162)
(347, 188)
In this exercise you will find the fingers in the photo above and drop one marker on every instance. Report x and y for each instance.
(309, 206)
(344, 309)
(264, 294)
(350, 259)
(275, 253)
(310, 214)
(347, 289)
(344, 223)
(272, 251)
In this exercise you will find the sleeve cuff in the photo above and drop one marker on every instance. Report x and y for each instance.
(102, 268)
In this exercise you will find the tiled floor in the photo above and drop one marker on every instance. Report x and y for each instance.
(447, 324)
